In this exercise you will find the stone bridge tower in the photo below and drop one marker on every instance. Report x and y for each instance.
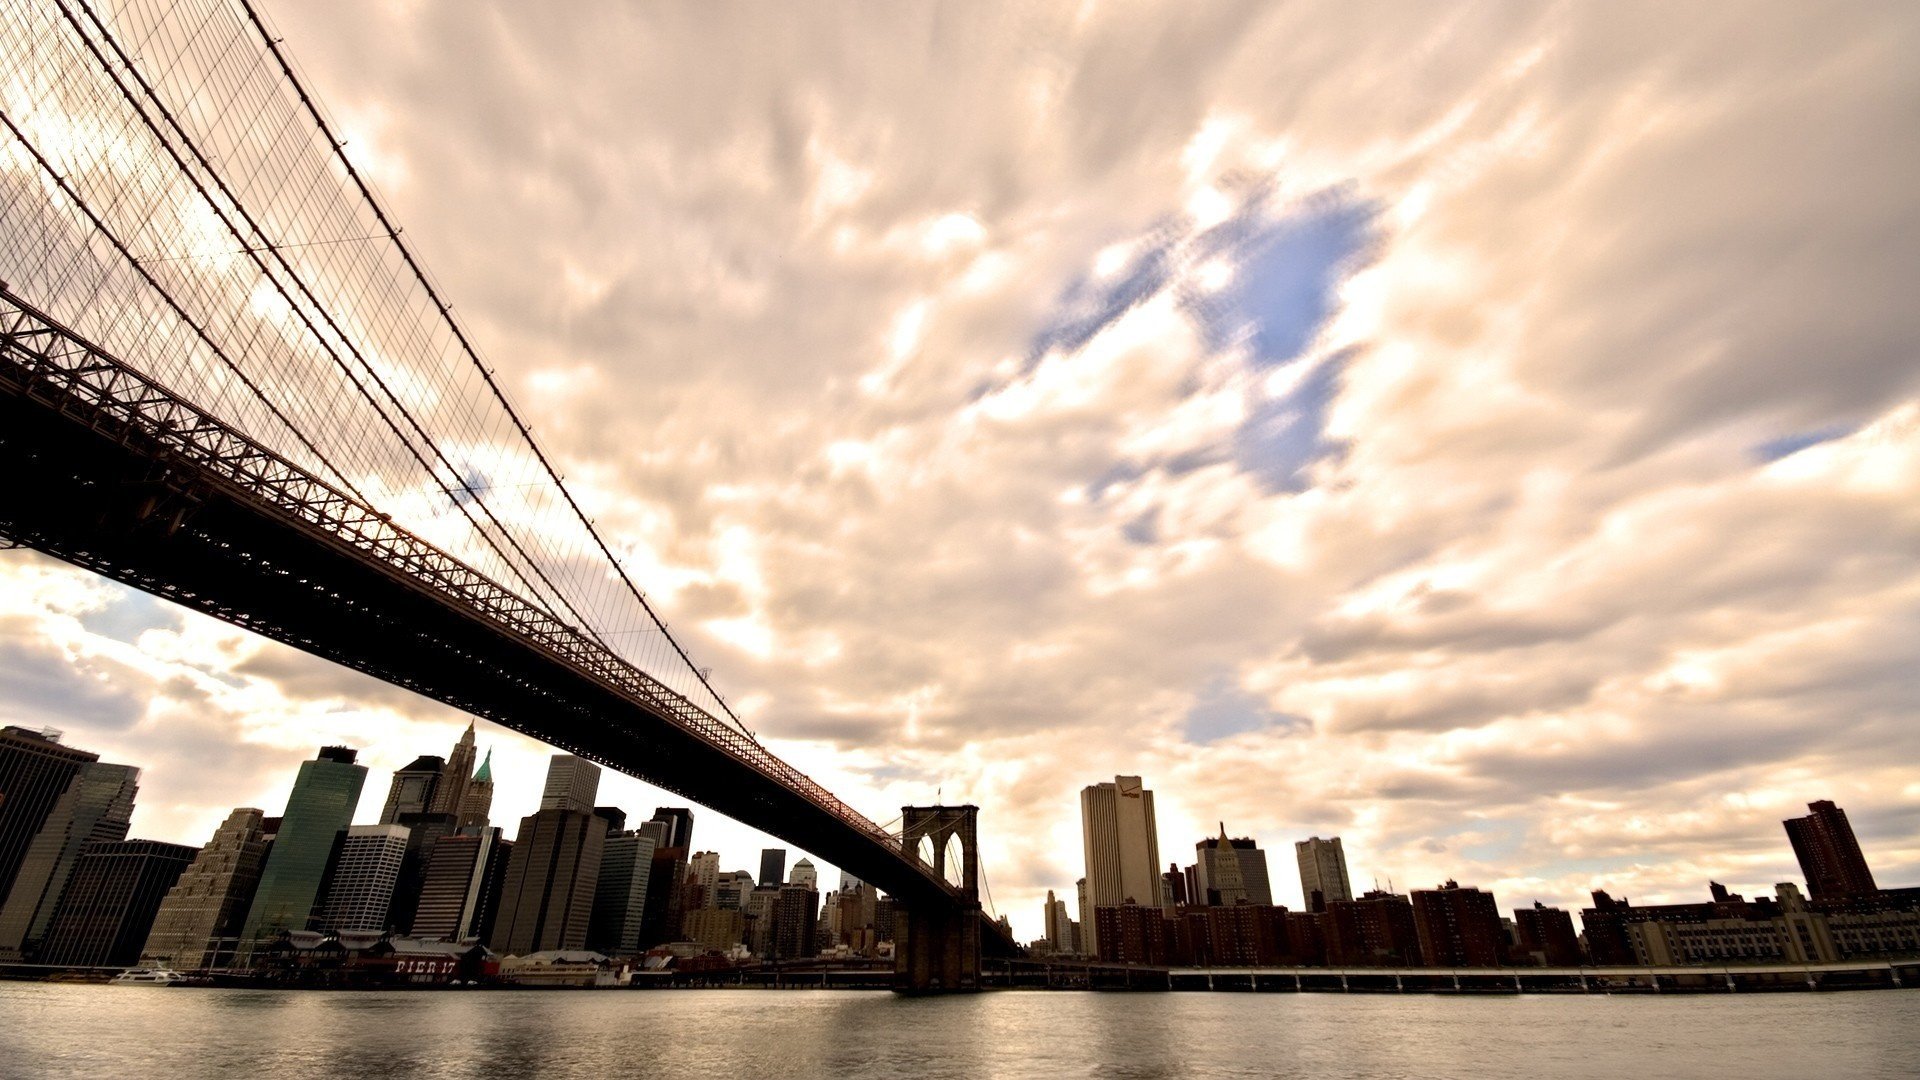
(937, 950)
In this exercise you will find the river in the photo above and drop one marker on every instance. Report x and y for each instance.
(68, 1030)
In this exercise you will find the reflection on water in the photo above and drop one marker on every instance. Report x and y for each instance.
(48, 1030)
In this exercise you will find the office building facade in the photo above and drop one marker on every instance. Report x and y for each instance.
(35, 769)
(1830, 857)
(320, 807)
(555, 867)
(1122, 847)
(109, 905)
(360, 884)
(461, 888)
(620, 896)
(95, 809)
(1323, 872)
(199, 921)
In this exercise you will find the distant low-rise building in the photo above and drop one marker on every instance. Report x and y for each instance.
(1547, 935)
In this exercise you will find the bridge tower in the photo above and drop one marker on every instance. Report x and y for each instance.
(936, 948)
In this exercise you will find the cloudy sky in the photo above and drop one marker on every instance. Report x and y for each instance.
(1487, 433)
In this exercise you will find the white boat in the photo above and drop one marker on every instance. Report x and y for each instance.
(148, 977)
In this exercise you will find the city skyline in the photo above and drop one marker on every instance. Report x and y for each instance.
(1408, 452)
(1285, 887)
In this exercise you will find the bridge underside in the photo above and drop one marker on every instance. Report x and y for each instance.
(124, 504)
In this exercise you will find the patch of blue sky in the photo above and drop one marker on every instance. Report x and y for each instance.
(1788, 445)
(129, 615)
(1282, 437)
(1225, 709)
(1285, 273)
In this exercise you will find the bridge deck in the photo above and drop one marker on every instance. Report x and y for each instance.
(109, 470)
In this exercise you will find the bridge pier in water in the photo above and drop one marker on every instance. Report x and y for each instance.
(936, 947)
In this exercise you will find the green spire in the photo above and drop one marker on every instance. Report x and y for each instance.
(485, 775)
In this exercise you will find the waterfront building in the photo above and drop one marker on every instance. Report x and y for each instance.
(1547, 934)
(1459, 927)
(460, 891)
(199, 921)
(109, 904)
(620, 895)
(321, 805)
(366, 867)
(773, 864)
(795, 916)
(1376, 930)
(805, 875)
(1829, 855)
(35, 769)
(413, 788)
(1133, 933)
(1609, 922)
(1323, 872)
(95, 809)
(555, 867)
(717, 929)
(477, 801)
(1121, 844)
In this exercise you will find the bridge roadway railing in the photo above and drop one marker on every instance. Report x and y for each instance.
(59, 368)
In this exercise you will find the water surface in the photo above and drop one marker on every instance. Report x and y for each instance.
(59, 1031)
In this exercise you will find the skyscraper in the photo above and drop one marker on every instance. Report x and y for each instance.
(1249, 863)
(412, 791)
(94, 809)
(620, 896)
(366, 867)
(199, 921)
(555, 868)
(796, 917)
(572, 783)
(703, 872)
(1829, 855)
(461, 889)
(1122, 846)
(1059, 925)
(805, 874)
(1323, 870)
(477, 803)
(773, 864)
(34, 772)
(678, 821)
(450, 791)
(108, 908)
(322, 802)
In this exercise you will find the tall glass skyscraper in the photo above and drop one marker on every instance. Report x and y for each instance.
(35, 770)
(320, 806)
(95, 809)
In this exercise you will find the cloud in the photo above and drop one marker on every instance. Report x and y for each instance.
(1487, 433)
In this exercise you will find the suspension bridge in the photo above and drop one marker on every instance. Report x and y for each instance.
(227, 380)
